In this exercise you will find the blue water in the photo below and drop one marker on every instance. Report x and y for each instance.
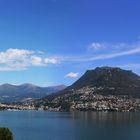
(43, 125)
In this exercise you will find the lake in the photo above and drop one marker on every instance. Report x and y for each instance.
(44, 125)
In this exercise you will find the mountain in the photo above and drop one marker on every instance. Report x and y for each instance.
(101, 89)
(107, 81)
(12, 93)
(108, 77)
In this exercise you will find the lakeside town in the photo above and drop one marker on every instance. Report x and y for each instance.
(84, 99)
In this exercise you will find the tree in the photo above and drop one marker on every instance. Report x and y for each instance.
(5, 134)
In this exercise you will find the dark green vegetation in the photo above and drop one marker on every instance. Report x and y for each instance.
(5, 134)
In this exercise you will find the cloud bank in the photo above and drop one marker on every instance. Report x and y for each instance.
(21, 59)
(121, 49)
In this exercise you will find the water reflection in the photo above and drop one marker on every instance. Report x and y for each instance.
(39, 125)
(108, 117)
(107, 126)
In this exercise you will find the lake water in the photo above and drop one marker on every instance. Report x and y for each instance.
(43, 125)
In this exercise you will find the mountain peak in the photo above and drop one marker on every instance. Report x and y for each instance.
(28, 85)
(107, 68)
(6, 85)
(123, 82)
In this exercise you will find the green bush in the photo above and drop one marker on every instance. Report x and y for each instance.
(5, 134)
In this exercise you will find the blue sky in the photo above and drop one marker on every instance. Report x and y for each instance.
(52, 42)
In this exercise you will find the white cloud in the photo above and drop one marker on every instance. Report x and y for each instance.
(96, 46)
(72, 75)
(21, 59)
(104, 56)
(113, 55)
(36, 60)
(40, 52)
(51, 61)
(105, 46)
(14, 54)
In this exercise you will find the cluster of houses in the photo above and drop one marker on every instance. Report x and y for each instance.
(16, 107)
(87, 99)
(84, 99)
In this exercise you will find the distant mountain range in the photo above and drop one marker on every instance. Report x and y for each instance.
(108, 81)
(14, 93)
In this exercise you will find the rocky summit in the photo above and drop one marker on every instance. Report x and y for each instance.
(109, 81)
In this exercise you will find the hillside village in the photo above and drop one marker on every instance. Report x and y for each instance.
(86, 99)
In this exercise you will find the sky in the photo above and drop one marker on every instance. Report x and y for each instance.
(53, 42)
